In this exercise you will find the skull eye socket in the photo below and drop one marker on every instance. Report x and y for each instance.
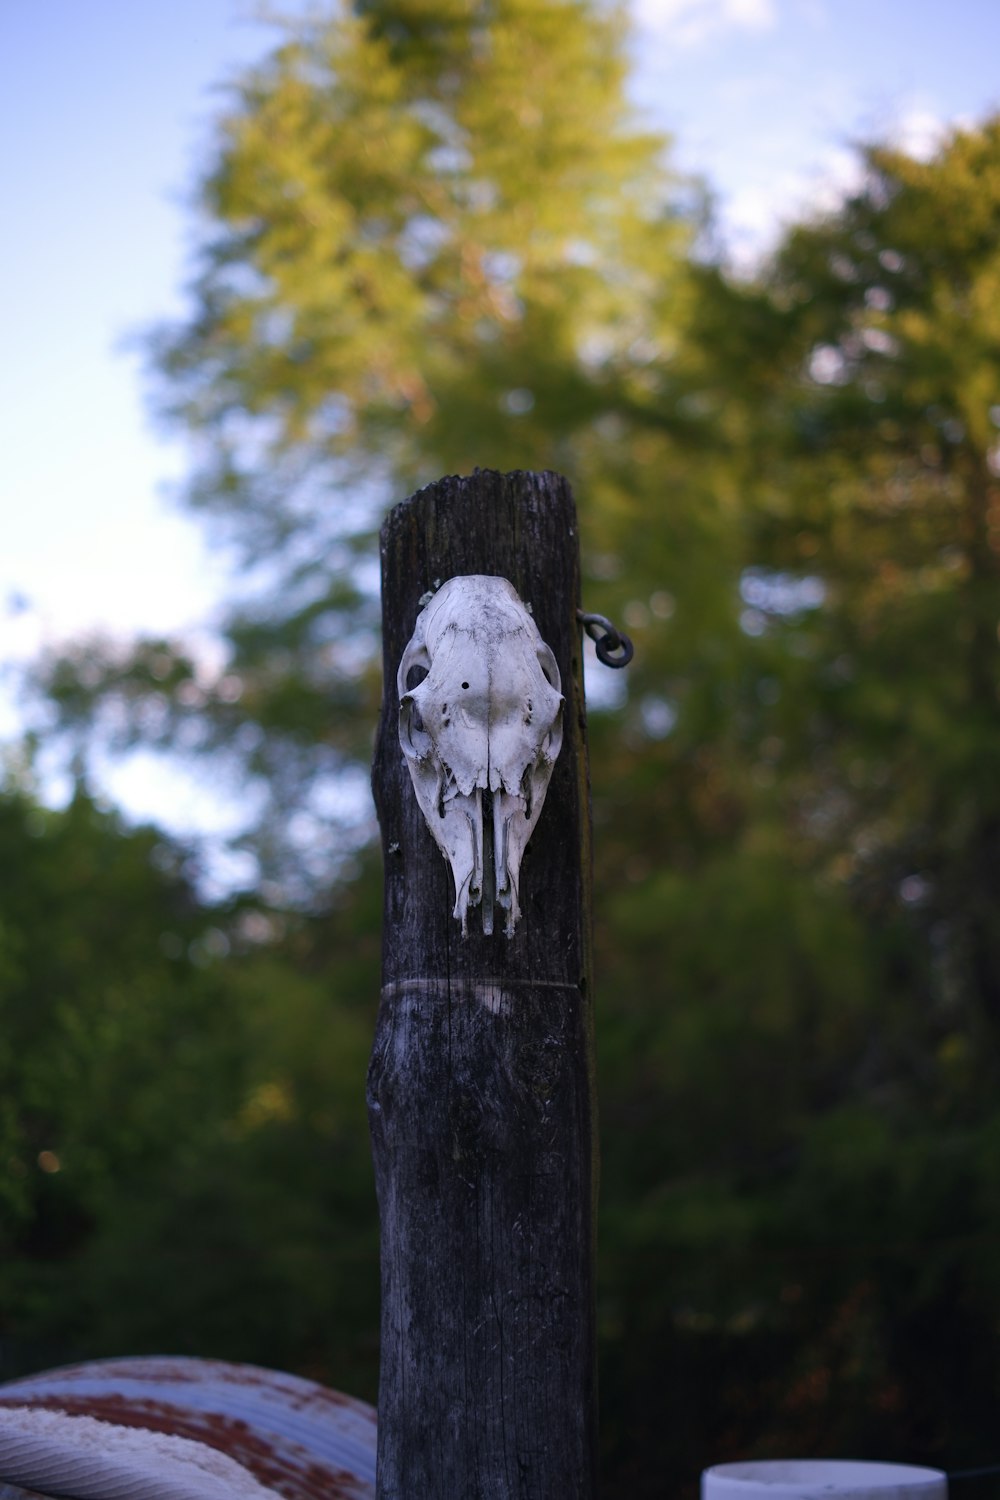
(413, 668)
(549, 669)
(413, 737)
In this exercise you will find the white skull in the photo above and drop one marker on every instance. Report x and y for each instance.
(486, 718)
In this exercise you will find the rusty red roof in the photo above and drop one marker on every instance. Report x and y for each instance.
(299, 1439)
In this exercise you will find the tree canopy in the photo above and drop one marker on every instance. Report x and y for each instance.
(434, 238)
(181, 1118)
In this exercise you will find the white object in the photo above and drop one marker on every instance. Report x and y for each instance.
(173, 1428)
(95, 1460)
(829, 1478)
(485, 720)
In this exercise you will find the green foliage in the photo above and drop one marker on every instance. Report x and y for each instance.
(433, 237)
(399, 196)
(812, 981)
(184, 1162)
(881, 485)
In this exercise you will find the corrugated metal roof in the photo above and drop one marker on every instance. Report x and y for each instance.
(302, 1440)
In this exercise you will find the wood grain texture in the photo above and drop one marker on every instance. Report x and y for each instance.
(481, 1086)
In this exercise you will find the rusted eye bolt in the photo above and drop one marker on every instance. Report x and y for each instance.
(613, 647)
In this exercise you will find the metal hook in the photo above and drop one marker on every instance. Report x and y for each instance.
(607, 639)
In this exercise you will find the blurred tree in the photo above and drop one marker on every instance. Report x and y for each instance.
(434, 238)
(890, 498)
(832, 957)
(183, 1162)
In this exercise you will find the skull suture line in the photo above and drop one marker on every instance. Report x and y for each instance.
(480, 734)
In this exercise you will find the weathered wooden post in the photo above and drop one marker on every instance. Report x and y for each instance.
(481, 1087)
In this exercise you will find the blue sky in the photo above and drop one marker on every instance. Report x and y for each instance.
(104, 113)
(766, 96)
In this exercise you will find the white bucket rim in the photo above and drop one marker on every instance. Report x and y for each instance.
(820, 1477)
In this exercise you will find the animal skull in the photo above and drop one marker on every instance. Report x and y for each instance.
(480, 733)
